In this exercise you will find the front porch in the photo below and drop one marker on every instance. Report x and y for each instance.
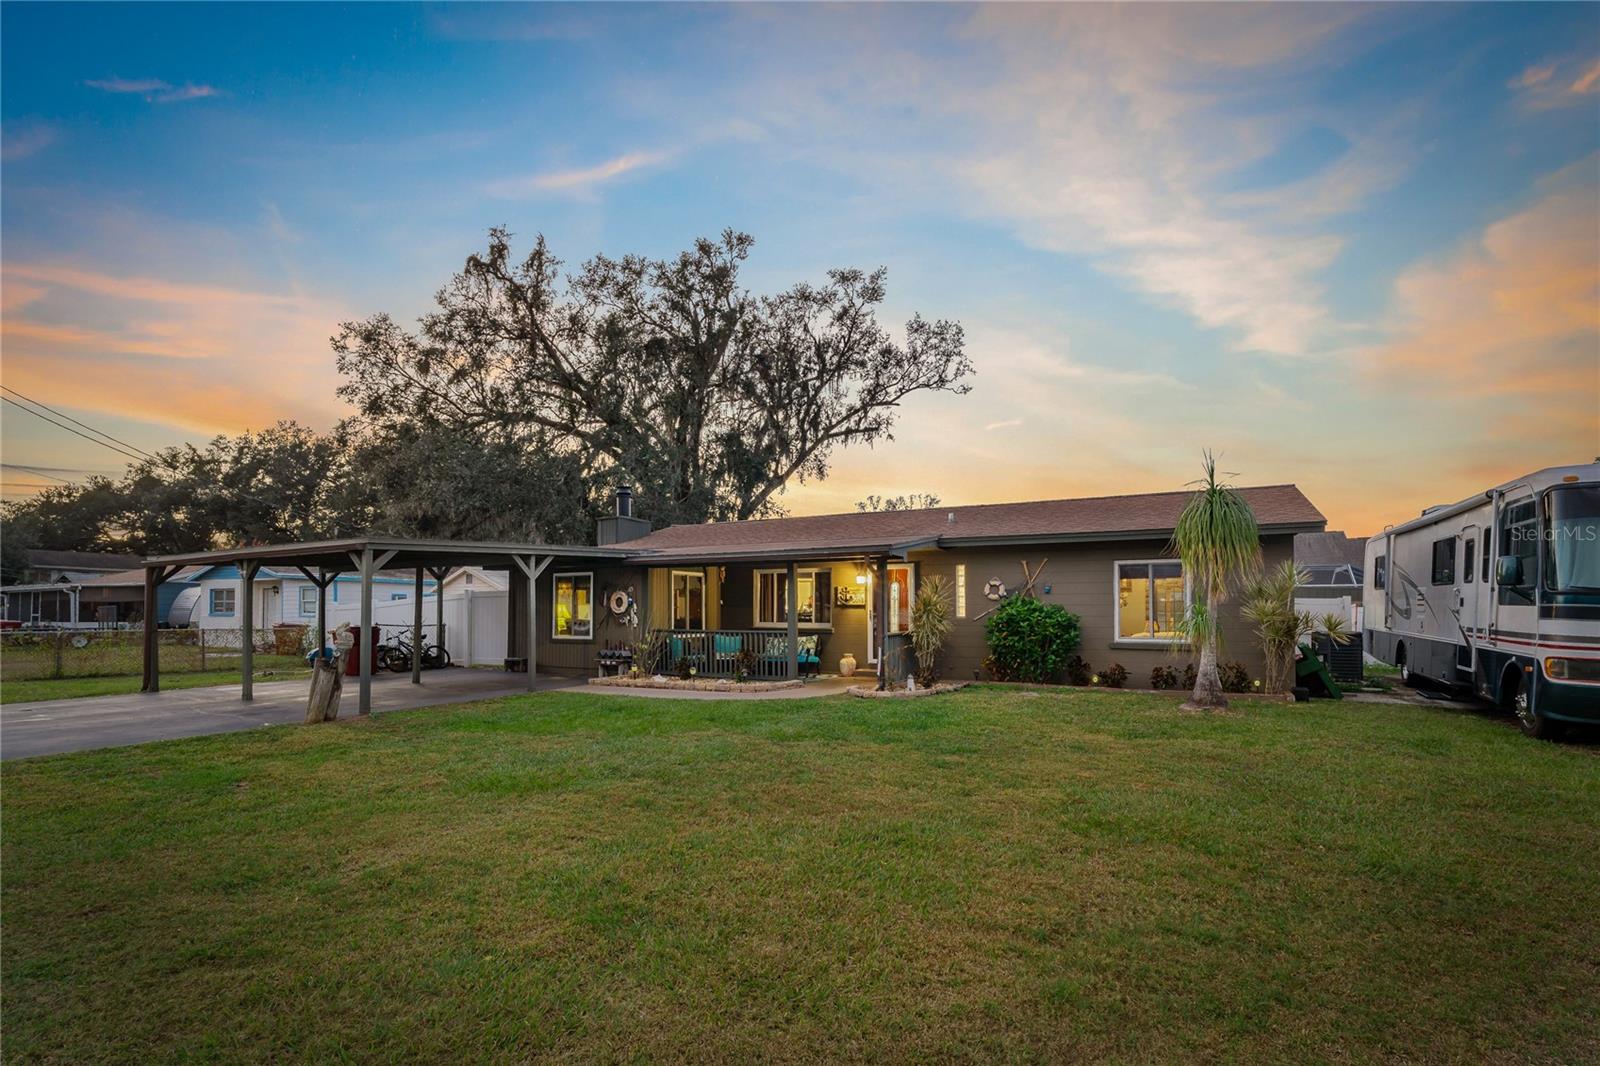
(774, 620)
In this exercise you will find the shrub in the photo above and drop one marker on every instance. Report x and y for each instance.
(1234, 677)
(930, 626)
(685, 668)
(1114, 676)
(745, 664)
(1029, 640)
(1190, 676)
(1078, 671)
(1163, 677)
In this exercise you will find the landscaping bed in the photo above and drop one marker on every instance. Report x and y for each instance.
(938, 689)
(696, 684)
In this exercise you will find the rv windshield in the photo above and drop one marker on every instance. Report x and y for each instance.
(1573, 562)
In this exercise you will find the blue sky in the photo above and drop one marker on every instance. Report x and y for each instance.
(1352, 247)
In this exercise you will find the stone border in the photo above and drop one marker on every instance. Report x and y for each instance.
(696, 684)
(902, 693)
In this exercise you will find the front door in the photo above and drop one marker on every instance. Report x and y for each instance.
(901, 579)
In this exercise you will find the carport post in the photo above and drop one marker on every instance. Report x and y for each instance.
(416, 631)
(247, 628)
(439, 574)
(364, 705)
(152, 650)
(322, 610)
(531, 569)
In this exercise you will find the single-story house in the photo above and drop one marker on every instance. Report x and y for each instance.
(47, 565)
(1106, 559)
(283, 595)
(101, 601)
(717, 593)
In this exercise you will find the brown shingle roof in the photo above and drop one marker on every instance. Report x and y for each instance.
(1091, 517)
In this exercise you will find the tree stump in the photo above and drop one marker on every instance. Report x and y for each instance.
(327, 682)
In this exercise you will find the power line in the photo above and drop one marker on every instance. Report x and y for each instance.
(74, 432)
(36, 472)
(74, 421)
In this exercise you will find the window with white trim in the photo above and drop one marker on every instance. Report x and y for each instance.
(308, 600)
(1152, 597)
(572, 606)
(688, 599)
(224, 601)
(961, 590)
(814, 604)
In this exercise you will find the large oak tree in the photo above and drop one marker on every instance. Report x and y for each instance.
(665, 374)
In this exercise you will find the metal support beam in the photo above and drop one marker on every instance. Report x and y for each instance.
(531, 569)
(322, 579)
(416, 630)
(247, 628)
(364, 638)
(152, 651)
(439, 574)
(793, 603)
(880, 599)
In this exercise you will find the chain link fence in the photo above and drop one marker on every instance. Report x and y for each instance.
(32, 655)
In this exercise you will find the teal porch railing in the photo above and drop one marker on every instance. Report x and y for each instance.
(716, 652)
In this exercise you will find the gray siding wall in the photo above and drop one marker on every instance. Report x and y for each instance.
(574, 657)
(1081, 579)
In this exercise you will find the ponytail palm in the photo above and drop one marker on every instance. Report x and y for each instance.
(1217, 539)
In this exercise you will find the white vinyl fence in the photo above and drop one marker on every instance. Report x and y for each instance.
(474, 623)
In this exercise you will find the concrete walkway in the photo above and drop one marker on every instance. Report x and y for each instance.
(48, 727)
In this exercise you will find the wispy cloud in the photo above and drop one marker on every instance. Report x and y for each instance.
(154, 90)
(1009, 423)
(579, 181)
(1557, 82)
(19, 140)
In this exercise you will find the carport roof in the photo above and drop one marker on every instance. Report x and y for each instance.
(408, 554)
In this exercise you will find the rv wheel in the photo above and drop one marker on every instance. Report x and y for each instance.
(1514, 696)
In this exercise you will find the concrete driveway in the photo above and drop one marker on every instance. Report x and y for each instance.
(49, 727)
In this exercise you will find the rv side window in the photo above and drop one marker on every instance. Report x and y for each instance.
(1444, 561)
(1468, 560)
(1519, 536)
(1486, 557)
(1380, 571)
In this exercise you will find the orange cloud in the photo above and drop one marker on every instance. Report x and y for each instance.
(193, 356)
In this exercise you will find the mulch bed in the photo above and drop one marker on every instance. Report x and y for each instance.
(696, 684)
(903, 693)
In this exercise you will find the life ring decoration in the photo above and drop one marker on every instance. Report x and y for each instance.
(619, 602)
(994, 589)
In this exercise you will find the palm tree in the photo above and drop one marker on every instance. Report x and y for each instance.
(1217, 539)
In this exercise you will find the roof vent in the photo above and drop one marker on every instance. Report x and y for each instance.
(950, 518)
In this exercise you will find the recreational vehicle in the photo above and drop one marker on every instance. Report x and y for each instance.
(1499, 593)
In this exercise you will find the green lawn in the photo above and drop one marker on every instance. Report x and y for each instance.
(267, 668)
(984, 875)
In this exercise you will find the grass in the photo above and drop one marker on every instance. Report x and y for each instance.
(989, 874)
(268, 668)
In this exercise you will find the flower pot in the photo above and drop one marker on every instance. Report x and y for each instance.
(847, 664)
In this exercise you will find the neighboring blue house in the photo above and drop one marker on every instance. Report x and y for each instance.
(284, 595)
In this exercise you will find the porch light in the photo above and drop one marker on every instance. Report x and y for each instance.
(861, 579)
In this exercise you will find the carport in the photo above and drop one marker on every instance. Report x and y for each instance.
(322, 561)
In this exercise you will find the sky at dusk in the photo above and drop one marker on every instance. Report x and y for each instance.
(1355, 248)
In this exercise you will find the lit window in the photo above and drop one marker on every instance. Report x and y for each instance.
(572, 611)
(308, 599)
(1151, 600)
(961, 590)
(814, 604)
(223, 601)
